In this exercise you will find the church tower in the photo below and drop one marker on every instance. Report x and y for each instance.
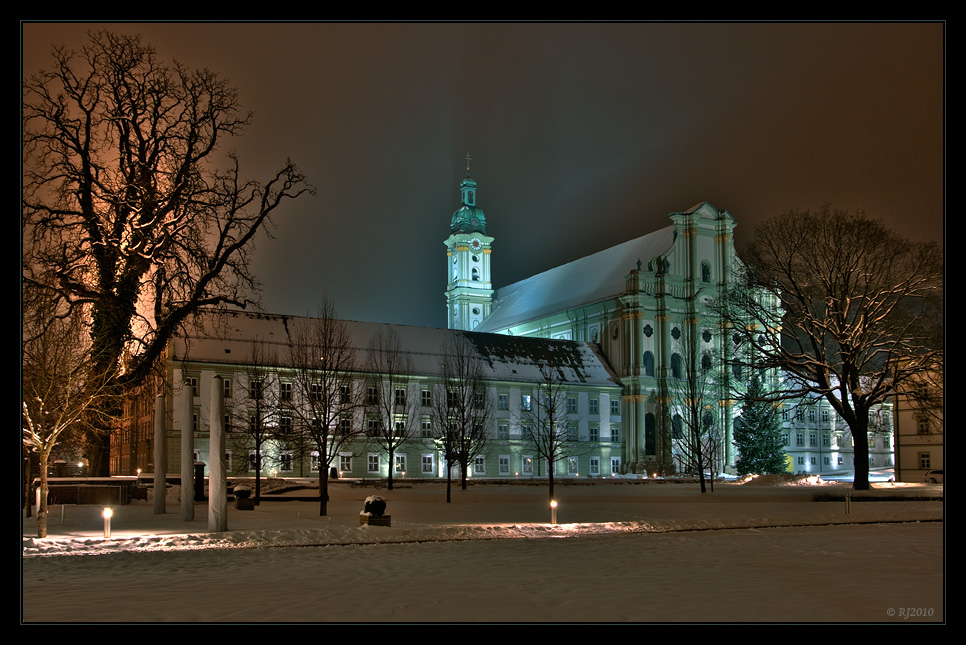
(469, 292)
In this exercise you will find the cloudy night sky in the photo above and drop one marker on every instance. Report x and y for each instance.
(582, 136)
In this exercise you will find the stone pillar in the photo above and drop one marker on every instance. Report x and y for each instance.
(160, 456)
(185, 414)
(217, 484)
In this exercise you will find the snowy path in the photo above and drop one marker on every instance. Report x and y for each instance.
(819, 573)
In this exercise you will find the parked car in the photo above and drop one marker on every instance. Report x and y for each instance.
(933, 477)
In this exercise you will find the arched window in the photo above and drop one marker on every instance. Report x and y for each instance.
(676, 365)
(705, 272)
(649, 441)
(706, 362)
(648, 364)
(676, 427)
(476, 274)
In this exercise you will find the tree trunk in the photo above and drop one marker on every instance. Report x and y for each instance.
(25, 485)
(860, 451)
(258, 476)
(392, 465)
(323, 488)
(42, 507)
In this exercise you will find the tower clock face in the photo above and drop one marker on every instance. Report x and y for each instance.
(475, 244)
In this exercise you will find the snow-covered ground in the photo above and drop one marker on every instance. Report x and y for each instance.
(635, 552)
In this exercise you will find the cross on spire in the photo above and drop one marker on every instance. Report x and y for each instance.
(468, 164)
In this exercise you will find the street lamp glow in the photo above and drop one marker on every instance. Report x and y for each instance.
(107, 521)
(553, 511)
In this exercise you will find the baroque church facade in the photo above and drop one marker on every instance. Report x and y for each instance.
(643, 346)
(643, 303)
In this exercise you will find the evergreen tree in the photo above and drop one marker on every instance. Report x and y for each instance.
(758, 436)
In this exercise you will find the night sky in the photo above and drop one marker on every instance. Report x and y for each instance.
(582, 136)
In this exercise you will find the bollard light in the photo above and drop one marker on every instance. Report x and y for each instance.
(107, 521)
(553, 511)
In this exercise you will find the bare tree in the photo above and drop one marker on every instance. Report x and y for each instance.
(544, 418)
(127, 207)
(391, 411)
(845, 308)
(58, 391)
(693, 398)
(259, 421)
(323, 360)
(462, 411)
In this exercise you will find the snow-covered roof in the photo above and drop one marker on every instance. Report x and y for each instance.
(228, 337)
(585, 281)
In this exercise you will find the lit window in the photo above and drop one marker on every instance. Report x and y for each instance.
(285, 425)
(572, 465)
(345, 463)
(314, 461)
(400, 464)
(527, 463)
(285, 462)
(525, 402)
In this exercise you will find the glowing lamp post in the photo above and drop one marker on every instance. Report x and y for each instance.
(553, 511)
(107, 521)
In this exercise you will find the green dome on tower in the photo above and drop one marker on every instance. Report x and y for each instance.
(469, 218)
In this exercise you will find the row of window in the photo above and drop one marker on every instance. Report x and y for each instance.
(401, 396)
(427, 463)
(885, 440)
(840, 460)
